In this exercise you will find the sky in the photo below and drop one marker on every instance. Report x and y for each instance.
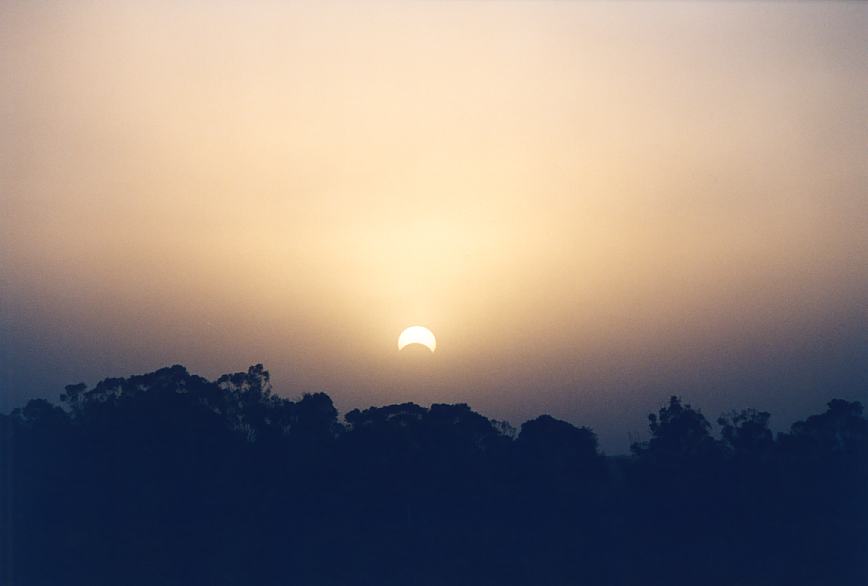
(592, 205)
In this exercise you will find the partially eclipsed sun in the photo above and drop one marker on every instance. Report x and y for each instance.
(417, 335)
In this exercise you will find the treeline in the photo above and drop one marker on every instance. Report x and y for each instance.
(170, 479)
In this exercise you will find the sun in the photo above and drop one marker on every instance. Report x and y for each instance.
(417, 335)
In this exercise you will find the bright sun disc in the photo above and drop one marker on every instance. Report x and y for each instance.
(417, 335)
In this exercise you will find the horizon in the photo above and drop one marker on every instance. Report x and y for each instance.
(592, 206)
(633, 436)
(191, 481)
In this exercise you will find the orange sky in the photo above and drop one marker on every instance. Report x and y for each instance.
(592, 205)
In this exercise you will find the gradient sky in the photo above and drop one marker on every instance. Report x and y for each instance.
(593, 206)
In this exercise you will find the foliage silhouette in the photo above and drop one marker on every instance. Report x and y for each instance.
(168, 478)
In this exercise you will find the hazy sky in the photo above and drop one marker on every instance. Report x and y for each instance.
(592, 205)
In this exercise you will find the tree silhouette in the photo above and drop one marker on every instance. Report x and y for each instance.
(169, 478)
(746, 433)
(679, 433)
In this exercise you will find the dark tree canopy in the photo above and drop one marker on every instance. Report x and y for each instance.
(746, 433)
(168, 478)
(678, 433)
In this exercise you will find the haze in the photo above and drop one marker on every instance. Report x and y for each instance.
(593, 206)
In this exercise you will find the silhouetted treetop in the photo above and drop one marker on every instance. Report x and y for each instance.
(841, 430)
(746, 432)
(678, 432)
(546, 437)
(169, 478)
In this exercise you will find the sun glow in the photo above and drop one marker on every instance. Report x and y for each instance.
(417, 335)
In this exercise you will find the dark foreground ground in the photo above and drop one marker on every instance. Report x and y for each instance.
(170, 479)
